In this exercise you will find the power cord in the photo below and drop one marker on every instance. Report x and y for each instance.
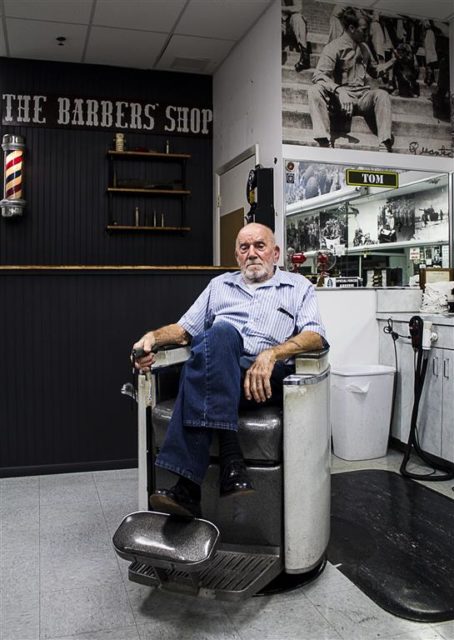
(389, 329)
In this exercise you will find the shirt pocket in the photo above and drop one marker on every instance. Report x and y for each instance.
(283, 326)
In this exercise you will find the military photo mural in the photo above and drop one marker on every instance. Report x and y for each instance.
(360, 79)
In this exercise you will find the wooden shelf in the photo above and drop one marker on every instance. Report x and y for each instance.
(149, 154)
(122, 228)
(162, 192)
(152, 187)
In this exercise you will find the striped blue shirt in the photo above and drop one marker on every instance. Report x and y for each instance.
(265, 316)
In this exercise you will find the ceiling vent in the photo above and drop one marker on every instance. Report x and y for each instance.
(193, 65)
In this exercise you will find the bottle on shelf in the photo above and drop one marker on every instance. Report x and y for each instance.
(167, 146)
(136, 217)
(119, 142)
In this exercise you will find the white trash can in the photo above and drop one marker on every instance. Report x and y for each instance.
(361, 403)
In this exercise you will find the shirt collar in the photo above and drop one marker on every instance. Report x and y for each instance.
(280, 278)
(346, 39)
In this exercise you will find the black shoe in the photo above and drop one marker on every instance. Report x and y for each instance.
(235, 479)
(175, 501)
(388, 144)
(323, 142)
(305, 61)
(302, 64)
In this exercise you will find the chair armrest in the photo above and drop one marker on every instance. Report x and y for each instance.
(171, 355)
(312, 361)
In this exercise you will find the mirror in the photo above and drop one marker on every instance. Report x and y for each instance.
(344, 231)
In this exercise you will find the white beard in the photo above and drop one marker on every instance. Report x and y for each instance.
(256, 273)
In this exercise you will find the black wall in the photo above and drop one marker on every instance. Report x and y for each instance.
(66, 173)
(66, 335)
(64, 355)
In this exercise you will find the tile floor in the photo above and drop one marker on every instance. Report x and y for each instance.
(61, 580)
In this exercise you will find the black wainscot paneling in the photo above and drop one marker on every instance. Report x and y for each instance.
(64, 355)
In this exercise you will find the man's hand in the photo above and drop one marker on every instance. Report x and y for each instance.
(345, 101)
(170, 334)
(383, 67)
(257, 380)
(146, 344)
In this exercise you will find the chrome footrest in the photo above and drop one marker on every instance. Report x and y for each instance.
(159, 540)
(231, 575)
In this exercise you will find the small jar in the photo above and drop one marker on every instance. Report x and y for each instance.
(119, 142)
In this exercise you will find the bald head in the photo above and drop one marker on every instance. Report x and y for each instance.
(256, 252)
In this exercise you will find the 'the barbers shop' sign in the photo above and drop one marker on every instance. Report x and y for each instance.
(99, 113)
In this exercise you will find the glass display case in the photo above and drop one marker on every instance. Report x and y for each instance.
(382, 236)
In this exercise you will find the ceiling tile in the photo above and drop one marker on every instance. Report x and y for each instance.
(229, 19)
(37, 40)
(132, 33)
(189, 47)
(124, 47)
(55, 10)
(158, 15)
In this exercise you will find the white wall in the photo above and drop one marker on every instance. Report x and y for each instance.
(247, 103)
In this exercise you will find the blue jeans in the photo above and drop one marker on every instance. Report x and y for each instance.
(208, 398)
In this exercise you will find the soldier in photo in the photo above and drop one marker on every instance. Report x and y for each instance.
(294, 32)
(340, 86)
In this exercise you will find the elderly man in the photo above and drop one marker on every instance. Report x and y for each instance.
(244, 329)
(340, 88)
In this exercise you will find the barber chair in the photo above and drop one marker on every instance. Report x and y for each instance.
(242, 544)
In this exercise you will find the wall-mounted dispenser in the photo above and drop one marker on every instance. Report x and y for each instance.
(260, 196)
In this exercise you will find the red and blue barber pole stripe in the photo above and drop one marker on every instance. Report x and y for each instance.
(13, 203)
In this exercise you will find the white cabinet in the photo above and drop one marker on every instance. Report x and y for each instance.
(431, 408)
(447, 425)
(436, 409)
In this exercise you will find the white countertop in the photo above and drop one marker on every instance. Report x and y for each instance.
(436, 318)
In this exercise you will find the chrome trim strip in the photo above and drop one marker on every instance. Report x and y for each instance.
(309, 378)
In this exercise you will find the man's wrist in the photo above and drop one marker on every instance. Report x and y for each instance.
(272, 352)
(151, 339)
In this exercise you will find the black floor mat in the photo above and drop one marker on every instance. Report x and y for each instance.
(394, 539)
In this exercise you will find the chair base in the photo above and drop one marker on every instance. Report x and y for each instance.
(234, 574)
(286, 582)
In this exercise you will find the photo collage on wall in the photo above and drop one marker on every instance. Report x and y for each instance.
(325, 228)
(407, 219)
(399, 83)
(380, 217)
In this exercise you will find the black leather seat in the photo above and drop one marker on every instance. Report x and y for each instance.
(260, 431)
(255, 519)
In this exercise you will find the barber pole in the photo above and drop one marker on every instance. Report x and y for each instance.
(13, 204)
